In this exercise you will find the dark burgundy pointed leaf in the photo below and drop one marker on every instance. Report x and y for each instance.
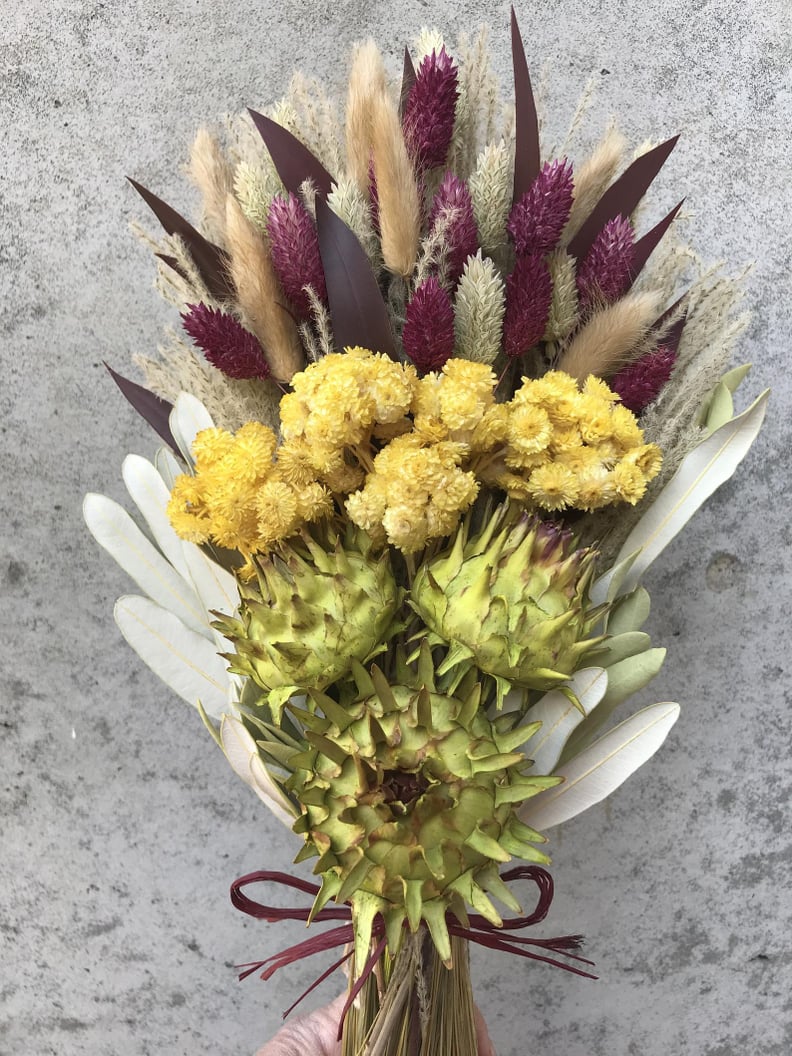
(293, 160)
(622, 197)
(153, 408)
(646, 245)
(209, 259)
(673, 334)
(526, 132)
(172, 262)
(408, 80)
(357, 310)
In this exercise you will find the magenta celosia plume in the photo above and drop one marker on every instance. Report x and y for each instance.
(538, 219)
(453, 201)
(605, 273)
(428, 334)
(225, 342)
(642, 381)
(529, 293)
(430, 110)
(294, 245)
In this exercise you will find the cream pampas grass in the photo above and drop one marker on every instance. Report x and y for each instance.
(259, 296)
(397, 190)
(593, 178)
(213, 176)
(612, 337)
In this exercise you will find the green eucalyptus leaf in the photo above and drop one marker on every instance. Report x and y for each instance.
(630, 613)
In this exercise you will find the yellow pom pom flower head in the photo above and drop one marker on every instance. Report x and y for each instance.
(511, 600)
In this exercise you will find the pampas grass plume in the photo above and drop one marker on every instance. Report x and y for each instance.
(593, 178)
(612, 337)
(212, 174)
(259, 296)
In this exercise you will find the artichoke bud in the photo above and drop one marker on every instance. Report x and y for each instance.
(512, 600)
(313, 612)
(409, 797)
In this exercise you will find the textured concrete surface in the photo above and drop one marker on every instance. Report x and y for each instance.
(121, 824)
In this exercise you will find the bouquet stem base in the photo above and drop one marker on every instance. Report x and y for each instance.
(412, 1005)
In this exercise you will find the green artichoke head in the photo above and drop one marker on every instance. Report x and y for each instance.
(315, 608)
(513, 600)
(408, 798)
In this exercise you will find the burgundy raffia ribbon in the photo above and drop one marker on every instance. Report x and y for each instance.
(478, 930)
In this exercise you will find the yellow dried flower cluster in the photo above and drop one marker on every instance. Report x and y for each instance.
(404, 457)
(241, 497)
(416, 491)
(567, 447)
(339, 402)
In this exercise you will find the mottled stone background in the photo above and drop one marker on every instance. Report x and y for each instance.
(121, 824)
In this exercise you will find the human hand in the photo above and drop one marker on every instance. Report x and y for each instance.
(315, 1034)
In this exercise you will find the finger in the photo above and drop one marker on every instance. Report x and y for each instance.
(483, 1040)
(312, 1035)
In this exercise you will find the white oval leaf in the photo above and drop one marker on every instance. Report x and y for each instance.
(184, 660)
(242, 753)
(598, 771)
(151, 495)
(114, 529)
(702, 471)
(559, 717)
(187, 419)
(167, 466)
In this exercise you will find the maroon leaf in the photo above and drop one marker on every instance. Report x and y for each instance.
(172, 262)
(155, 410)
(209, 259)
(408, 80)
(293, 160)
(526, 133)
(646, 245)
(622, 197)
(357, 310)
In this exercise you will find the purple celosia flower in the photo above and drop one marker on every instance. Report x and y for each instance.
(453, 200)
(529, 293)
(428, 334)
(641, 382)
(225, 342)
(606, 271)
(295, 252)
(429, 114)
(538, 219)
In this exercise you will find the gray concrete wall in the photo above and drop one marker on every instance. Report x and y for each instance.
(121, 823)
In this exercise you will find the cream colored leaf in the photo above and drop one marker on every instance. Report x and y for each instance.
(242, 754)
(702, 471)
(114, 529)
(559, 717)
(187, 419)
(151, 494)
(600, 769)
(184, 660)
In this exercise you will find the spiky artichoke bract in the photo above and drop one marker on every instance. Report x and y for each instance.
(408, 796)
(513, 600)
(317, 608)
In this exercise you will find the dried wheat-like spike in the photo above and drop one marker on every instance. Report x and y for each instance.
(353, 207)
(491, 191)
(478, 311)
(593, 178)
(255, 187)
(477, 106)
(367, 81)
(321, 323)
(429, 39)
(317, 120)
(612, 337)
(261, 300)
(563, 316)
(397, 191)
(434, 251)
(212, 174)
